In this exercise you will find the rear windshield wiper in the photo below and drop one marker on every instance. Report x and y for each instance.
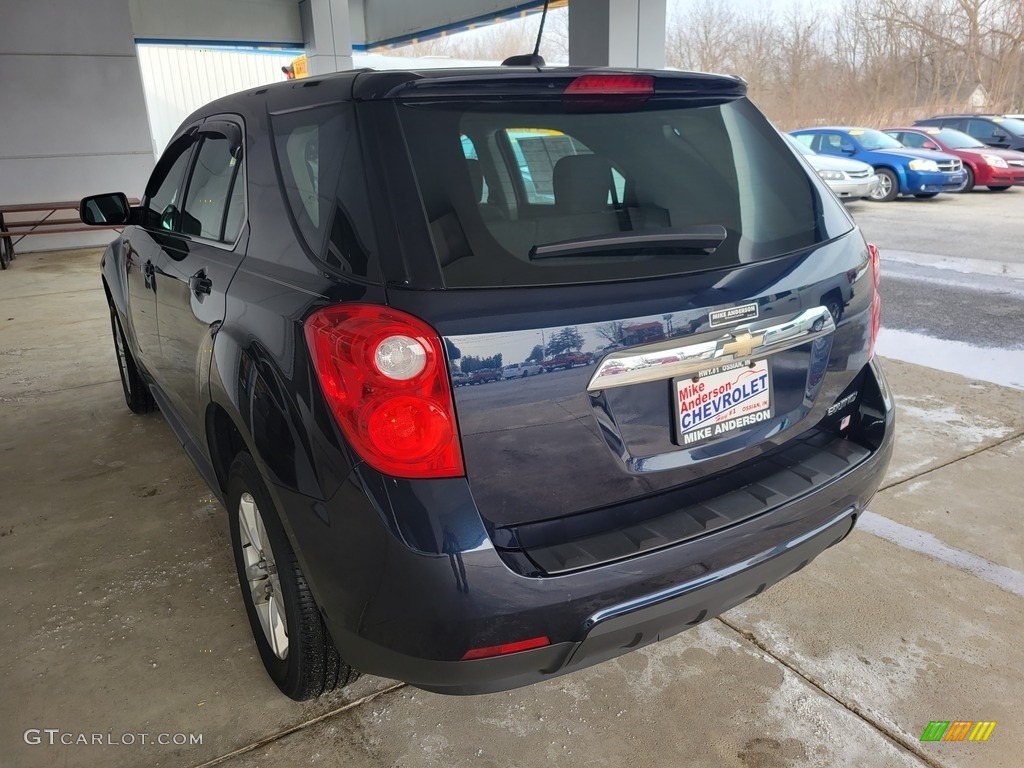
(702, 238)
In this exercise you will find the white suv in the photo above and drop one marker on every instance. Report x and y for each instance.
(520, 370)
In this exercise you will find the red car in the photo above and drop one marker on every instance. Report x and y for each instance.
(997, 169)
(566, 360)
(484, 375)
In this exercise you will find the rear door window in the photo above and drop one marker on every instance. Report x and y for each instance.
(562, 176)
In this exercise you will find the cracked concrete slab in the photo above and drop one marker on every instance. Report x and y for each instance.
(942, 417)
(962, 506)
(903, 639)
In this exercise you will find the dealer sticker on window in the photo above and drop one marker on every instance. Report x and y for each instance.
(722, 400)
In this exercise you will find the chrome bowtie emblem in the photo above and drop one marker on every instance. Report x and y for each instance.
(742, 344)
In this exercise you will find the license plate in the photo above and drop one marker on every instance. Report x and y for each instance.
(721, 401)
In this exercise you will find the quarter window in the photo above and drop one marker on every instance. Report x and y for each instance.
(319, 159)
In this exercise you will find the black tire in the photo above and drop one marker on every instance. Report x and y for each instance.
(4, 260)
(968, 184)
(312, 665)
(136, 392)
(926, 195)
(999, 189)
(889, 182)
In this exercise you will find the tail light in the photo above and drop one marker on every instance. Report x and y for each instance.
(876, 299)
(384, 375)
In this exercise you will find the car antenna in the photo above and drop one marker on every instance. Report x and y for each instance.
(530, 59)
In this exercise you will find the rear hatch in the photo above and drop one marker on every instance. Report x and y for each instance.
(652, 232)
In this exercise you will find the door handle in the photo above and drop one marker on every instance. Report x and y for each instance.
(200, 284)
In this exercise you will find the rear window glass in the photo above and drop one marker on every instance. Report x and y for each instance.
(497, 184)
(320, 163)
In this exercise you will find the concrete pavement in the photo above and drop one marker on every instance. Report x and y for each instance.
(121, 614)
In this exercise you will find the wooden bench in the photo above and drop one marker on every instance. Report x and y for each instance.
(9, 230)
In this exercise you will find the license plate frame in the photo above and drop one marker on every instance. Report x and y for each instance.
(712, 405)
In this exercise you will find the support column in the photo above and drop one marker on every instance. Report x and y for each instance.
(617, 33)
(327, 32)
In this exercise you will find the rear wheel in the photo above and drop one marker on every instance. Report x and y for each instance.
(888, 186)
(968, 184)
(999, 189)
(136, 394)
(293, 641)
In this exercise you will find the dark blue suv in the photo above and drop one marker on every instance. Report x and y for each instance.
(314, 264)
(901, 170)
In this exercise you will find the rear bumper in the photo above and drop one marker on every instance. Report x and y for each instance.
(408, 580)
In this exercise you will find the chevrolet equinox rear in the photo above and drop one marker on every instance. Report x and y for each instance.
(314, 262)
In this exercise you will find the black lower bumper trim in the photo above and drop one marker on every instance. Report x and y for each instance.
(618, 629)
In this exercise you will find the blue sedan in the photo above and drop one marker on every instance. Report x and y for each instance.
(901, 170)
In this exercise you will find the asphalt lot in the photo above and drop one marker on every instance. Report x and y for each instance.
(121, 614)
(980, 225)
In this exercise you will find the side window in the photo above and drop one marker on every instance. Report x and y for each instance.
(320, 163)
(805, 138)
(210, 189)
(980, 129)
(915, 140)
(162, 207)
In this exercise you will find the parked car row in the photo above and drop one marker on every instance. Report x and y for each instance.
(937, 154)
(522, 370)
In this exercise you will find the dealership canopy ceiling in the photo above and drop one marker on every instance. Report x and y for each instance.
(372, 23)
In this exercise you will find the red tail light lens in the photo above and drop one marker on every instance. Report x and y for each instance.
(611, 85)
(876, 299)
(506, 648)
(384, 376)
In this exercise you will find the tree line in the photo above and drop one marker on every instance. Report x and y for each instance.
(861, 62)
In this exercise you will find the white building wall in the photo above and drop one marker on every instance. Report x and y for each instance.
(74, 119)
(179, 79)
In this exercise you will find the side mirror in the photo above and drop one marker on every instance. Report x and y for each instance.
(848, 149)
(1000, 137)
(929, 145)
(105, 210)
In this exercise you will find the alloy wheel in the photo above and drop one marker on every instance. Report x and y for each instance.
(261, 574)
(883, 189)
